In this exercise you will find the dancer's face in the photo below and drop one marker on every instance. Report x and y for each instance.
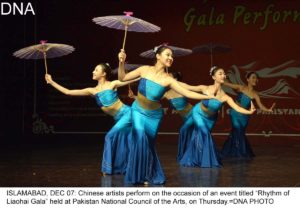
(253, 80)
(219, 76)
(98, 72)
(165, 57)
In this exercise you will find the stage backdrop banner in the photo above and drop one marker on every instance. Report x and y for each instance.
(260, 36)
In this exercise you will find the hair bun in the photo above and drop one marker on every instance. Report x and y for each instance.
(212, 69)
(249, 73)
(156, 48)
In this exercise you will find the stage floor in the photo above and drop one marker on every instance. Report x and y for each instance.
(76, 163)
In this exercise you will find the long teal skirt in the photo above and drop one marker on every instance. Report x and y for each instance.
(202, 151)
(237, 144)
(115, 151)
(143, 163)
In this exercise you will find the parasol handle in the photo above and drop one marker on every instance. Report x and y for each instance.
(125, 36)
(45, 62)
(211, 58)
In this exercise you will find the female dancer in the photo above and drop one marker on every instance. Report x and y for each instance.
(183, 108)
(143, 163)
(202, 150)
(237, 144)
(115, 151)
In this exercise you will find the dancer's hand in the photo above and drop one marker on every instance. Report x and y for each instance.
(48, 78)
(122, 56)
(131, 94)
(252, 108)
(271, 109)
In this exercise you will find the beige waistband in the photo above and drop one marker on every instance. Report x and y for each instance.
(185, 111)
(146, 103)
(206, 110)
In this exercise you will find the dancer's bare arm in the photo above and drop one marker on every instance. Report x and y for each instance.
(236, 107)
(195, 88)
(261, 106)
(186, 93)
(122, 76)
(66, 91)
(118, 83)
(233, 86)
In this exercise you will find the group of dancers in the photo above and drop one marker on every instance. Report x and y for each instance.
(129, 146)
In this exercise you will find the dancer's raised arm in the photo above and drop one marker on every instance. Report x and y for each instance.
(122, 76)
(118, 83)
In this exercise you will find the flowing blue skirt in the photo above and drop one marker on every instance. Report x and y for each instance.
(143, 163)
(115, 151)
(185, 135)
(237, 144)
(201, 151)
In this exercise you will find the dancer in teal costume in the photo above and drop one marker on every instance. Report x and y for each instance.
(181, 105)
(237, 144)
(202, 151)
(143, 163)
(115, 149)
(184, 109)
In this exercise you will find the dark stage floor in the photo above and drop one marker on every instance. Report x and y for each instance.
(75, 161)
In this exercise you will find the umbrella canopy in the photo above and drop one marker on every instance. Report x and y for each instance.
(44, 50)
(211, 48)
(128, 68)
(126, 22)
(52, 50)
(176, 51)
